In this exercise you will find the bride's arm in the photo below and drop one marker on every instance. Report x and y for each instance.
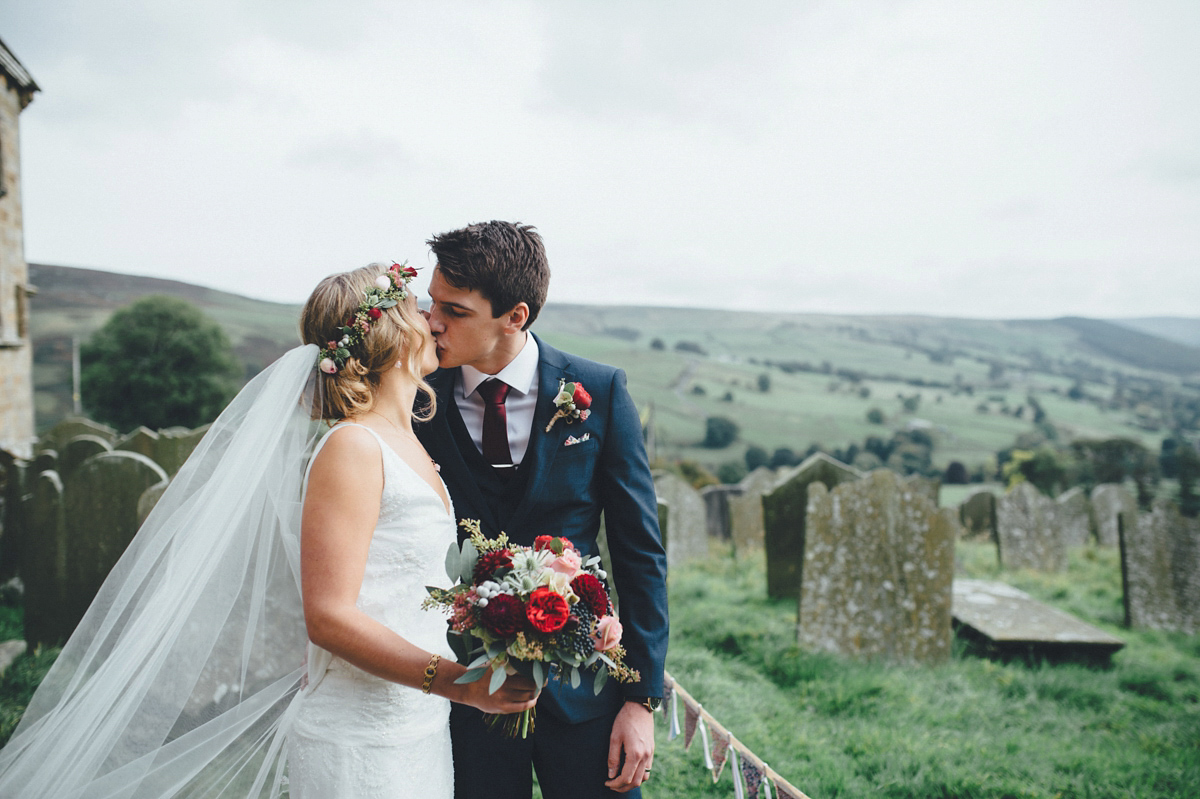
(341, 509)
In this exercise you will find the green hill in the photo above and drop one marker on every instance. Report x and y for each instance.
(967, 381)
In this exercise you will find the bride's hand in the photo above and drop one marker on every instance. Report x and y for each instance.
(515, 695)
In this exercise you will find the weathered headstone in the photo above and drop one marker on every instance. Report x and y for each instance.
(717, 520)
(878, 566)
(101, 503)
(44, 566)
(174, 445)
(78, 450)
(152, 495)
(978, 515)
(999, 619)
(56, 437)
(14, 525)
(45, 460)
(1026, 534)
(143, 441)
(784, 511)
(1073, 517)
(745, 509)
(688, 537)
(1110, 500)
(10, 651)
(1160, 570)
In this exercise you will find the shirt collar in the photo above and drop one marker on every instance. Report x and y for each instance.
(520, 374)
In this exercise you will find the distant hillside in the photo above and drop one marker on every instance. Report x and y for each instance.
(1180, 329)
(968, 381)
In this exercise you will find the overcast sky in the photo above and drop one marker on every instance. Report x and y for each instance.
(1002, 159)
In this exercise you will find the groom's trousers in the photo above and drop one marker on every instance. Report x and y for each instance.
(571, 759)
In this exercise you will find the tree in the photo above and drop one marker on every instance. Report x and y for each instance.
(875, 416)
(657, 344)
(160, 363)
(783, 456)
(719, 432)
(764, 382)
(956, 474)
(731, 472)
(756, 456)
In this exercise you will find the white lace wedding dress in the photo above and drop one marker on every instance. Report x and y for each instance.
(356, 736)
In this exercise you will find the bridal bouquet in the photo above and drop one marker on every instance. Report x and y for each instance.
(529, 611)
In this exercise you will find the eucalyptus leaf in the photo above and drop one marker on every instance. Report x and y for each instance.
(452, 560)
(478, 662)
(467, 561)
(471, 675)
(601, 678)
(498, 677)
(457, 645)
(575, 678)
(386, 304)
(538, 675)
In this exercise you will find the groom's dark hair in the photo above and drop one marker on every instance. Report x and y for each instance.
(505, 261)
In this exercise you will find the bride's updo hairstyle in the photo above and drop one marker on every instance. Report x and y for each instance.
(395, 339)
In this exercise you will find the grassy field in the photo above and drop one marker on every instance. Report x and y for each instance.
(969, 728)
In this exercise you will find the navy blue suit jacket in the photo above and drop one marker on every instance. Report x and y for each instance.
(567, 488)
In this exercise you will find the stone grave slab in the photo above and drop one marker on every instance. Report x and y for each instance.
(717, 520)
(746, 512)
(44, 567)
(1027, 536)
(1002, 620)
(69, 428)
(878, 563)
(14, 524)
(688, 537)
(78, 450)
(978, 515)
(785, 509)
(1160, 570)
(1109, 501)
(1073, 517)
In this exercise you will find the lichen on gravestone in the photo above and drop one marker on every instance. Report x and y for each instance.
(1026, 534)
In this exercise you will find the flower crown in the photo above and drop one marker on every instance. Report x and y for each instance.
(390, 289)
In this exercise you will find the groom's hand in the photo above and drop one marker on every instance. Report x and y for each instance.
(633, 737)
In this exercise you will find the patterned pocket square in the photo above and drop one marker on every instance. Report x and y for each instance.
(572, 440)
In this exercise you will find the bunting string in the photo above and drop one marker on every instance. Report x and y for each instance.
(752, 777)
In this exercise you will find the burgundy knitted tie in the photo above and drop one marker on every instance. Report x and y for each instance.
(495, 422)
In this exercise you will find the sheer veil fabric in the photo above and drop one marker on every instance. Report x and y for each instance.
(182, 678)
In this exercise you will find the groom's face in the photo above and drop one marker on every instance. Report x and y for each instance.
(463, 326)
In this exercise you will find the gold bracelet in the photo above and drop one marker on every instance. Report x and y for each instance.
(430, 670)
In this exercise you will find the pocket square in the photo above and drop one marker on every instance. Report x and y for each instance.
(572, 440)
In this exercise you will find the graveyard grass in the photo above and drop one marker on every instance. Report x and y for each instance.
(836, 728)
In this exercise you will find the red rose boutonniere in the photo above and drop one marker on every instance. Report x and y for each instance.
(573, 403)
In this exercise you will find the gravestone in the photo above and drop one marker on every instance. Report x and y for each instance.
(1073, 517)
(784, 512)
(174, 445)
(978, 515)
(1160, 569)
(45, 460)
(745, 509)
(44, 568)
(78, 450)
(143, 441)
(153, 494)
(688, 536)
(101, 502)
(56, 437)
(1026, 534)
(1110, 500)
(14, 524)
(878, 567)
(998, 619)
(717, 520)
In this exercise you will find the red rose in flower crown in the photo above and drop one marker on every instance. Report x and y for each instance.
(573, 403)
(547, 611)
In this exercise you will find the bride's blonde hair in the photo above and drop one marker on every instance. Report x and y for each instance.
(397, 338)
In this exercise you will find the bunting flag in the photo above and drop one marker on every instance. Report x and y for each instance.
(752, 775)
(691, 715)
(707, 747)
(782, 791)
(668, 692)
(673, 717)
(720, 751)
(739, 790)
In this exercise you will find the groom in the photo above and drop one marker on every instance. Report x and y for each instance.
(495, 392)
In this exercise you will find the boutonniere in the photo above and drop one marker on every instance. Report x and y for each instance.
(573, 403)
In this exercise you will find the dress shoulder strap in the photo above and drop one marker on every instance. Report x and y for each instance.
(317, 449)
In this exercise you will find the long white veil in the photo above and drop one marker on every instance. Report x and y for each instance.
(179, 680)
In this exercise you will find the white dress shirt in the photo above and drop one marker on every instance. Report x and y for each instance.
(521, 374)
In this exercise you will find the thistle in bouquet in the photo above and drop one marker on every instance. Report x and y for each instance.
(535, 611)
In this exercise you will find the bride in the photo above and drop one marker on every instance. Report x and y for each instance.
(262, 635)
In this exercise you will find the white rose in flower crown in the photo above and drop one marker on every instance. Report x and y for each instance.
(383, 282)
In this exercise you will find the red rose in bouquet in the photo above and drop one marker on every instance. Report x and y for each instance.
(504, 615)
(492, 562)
(592, 593)
(547, 611)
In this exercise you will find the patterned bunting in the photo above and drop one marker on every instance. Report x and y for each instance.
(720, 751)
(691, 715)
(782, 792)
(752, 775)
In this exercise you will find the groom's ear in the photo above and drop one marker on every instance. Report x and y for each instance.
(515, 320)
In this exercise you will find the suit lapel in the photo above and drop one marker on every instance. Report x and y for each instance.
(552, 366)
(454, 469)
